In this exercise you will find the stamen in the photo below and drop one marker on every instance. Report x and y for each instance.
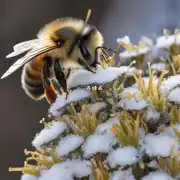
(141, 165)
(55, 157)
(176, 31)
(31, 152)
(17, 169)
(32, 170)
(133, 62)
(142, 44)
(165, 33)
(42, 121)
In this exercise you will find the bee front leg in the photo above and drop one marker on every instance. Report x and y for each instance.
(84, 65)
(49, 90)
(60, 76)
(68, 74)
(97, 57)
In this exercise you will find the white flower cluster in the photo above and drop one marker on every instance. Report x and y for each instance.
(103, 140)
(75, 151)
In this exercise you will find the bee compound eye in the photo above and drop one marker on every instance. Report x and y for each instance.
(59, 42)
(85, 53)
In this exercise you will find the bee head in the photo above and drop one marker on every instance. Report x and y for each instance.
(90, 39)
(73, 38)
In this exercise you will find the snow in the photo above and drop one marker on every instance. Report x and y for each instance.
(49, 133)
(83, 77)
(124, 39)
(28, 177)
(67, 170)
(106, 126)
(152, 115)
(56, 172)
(97, 143)
(147, 40)
(80, 168)
(128, 101)
(158, 175)
(98, 105)
(134, 53)
(69, 144)
(122, 175)
(170, 132)
(170, 83)
(160, 145)
(174, 95)
(163, 42)
(153, 164)
(123, 156)
(75, 95)
(159, 66)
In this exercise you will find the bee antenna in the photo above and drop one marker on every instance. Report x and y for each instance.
(88, 15)
(78, 35)
(103, 47)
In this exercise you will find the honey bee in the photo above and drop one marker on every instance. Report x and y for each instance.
(61, 45)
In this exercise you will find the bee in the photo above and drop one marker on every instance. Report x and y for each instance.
(61, 45)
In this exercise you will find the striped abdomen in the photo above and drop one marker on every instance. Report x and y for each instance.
(31, 79)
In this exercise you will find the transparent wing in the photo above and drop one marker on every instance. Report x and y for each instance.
(29, 56)
(23, 47)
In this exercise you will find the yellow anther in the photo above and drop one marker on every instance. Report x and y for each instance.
(16, 169)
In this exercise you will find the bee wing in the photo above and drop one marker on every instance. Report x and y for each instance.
(28, 57)
(23, 47)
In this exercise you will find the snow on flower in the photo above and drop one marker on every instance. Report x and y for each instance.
(170, 83)
(147, 40)
(152, 115)
(105, 127)
(56, 172)
(75, 95)
(67, 170)
(28, 177)
(153, 164)
(174, 95)
(97, 143)
(158, 175)
(160, 145)
(122, 175)
(102, 76)
(165, 42)
(134, 53)
(124, 39)
(80, 168)
(170, 132)
(49, 133)
(69, 144)
(123, 156)
(98, 105)
(159, 66)
(131, 99)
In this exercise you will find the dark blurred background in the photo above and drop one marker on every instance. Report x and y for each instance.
(20, 20)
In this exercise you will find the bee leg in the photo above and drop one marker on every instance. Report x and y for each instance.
(60, 76)
(49, 90)
(97, 58)
(68, 74)
(83, 64)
